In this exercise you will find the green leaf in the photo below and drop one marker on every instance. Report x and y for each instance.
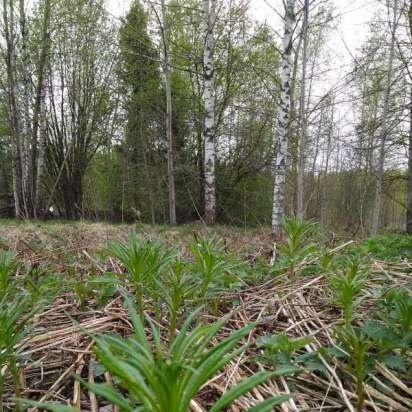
(54, 407)
(268, 404)
(248, 384)
(240, 389)
(374, 330)
(396, 362)
(107, 391)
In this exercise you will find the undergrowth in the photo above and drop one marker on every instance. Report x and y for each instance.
(177, 345)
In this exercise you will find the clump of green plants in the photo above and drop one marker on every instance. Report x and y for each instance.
(98, 289)
(347, 286)
(354, 346)
(385, 336)
(177, 289)
(8, 266)
(282, 351)
(298, 245)
(145, 261)
(391, 330)
(214, 269)
(386, 247)
(158, 377)
(20, 298)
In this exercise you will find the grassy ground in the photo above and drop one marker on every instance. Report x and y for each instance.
(65, 241)
(340, 311)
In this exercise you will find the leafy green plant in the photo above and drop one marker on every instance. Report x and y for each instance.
(83, 293)
(20, 299)
(176, 287)
(8, 266)
(104, 286)
(144, 261)
(40, 284)
(156, 378)
(298, 245)
(280, 350)
(214, 268)
(354, 345)
(347, 286)
(391, 331)
(388, 247)
(399, 305)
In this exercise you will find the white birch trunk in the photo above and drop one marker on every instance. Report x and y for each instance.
(409, 183)
(10, 57)
(39, 115)
(209, 114)
(26, 172)
(384, 127)
(278, 209)
(300, 210)
(170, 156)
(41, 151)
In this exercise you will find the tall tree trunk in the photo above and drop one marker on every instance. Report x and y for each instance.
(4, 187)
(384, 127)
(300, 209)
(209, 114)
(324, 173)
(26, 177)
(409, 184)
(13, 116)
(170, 150)
(39, 113)
(278, 209)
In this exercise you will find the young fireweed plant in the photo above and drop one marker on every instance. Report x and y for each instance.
(177, 289)
(214, 268)
(157, 378)
(20, 299)
(144, 262)
(347, 286)
(391, 332)
(280, 351)
(8, 267)
(354, 345)
(298, 245)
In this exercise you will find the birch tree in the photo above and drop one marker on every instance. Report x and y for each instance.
(12, 107)
(384, 126)
(278, 208)
(302, 117)
(209, 113)
(25, 104)
(409, 183)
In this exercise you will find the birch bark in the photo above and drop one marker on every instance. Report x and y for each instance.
(209, 114)
(409, 184)
(10, 57)
(39, 114)
(302, 117)
(278, 209)
(25, 128)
